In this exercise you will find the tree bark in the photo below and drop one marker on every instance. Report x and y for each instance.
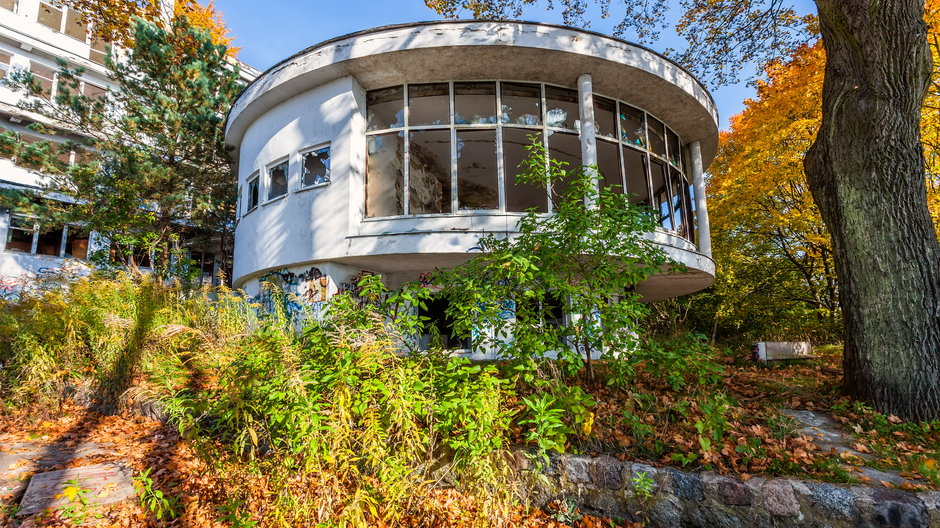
(866, 173)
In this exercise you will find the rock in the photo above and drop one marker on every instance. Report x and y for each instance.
(576, 469)
(778, 498)
(607, 472)
(932, 501)
(106, 484)
(687, 486)
(732, 492)
(900, 509)
(835, 501)
(666, 513)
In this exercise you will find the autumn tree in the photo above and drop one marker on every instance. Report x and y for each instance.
(865, 169)
(151, 163)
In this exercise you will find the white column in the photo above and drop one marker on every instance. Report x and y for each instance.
(586, 114)
(701, 207)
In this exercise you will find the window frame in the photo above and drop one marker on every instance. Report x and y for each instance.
(253, 178)
(267, 180)
(36, 231)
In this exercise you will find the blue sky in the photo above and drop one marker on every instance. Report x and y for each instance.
(271, 30)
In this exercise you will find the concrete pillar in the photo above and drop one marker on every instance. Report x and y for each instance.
(586, 115)
(701, 207)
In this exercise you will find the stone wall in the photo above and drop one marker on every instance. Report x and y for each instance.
(604, 485)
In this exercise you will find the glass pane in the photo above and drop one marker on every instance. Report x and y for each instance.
(99, 50)
(93, 91)
(678, 186)
(75, 27)
(277, 180)
(632, 126)
(634, 164)
(690, 213)
(475, 103)
(604, 122)
(566, 148)
(316, 167)
(608, 161)
(477, 180)
(522, 104)
(43, 75)
(385, 108)
(385, 181)
(675, 149)
(20, 235)
(561, 107)
(661, 193)
(520, 196)
(50, 16)
(657, 136)
(50, 241)
(428, 104)
(429, 172)
(9, 5)
(76, 243)
(252, 195)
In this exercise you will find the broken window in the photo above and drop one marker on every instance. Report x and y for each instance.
(75, 25)
(634, 165)
(385, 108)
(251, 199)
(477, 170)
(440, 330)
(661, 202)
(277, 180)
(98, 51)
(675, 148)
(385, 180)
(680, 204)
(521, 197)
(608, 161)
(428, 104)
(605, 124)
(562, 107)
(475, 103)
(316, 167)
(564, 147)
(93, 91)
(521, 104)
(50, 16)
(44, 75)
(657, 136)
(76, 242)
(49, 241)
(429, 172)
(632, 126)
(20, 234)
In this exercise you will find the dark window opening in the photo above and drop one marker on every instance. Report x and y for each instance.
(316, 167)
(277, 181)
(440, 332)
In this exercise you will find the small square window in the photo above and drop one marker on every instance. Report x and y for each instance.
(251, 200)
(9, 5)
(277, 180)
(20, 234)
(50, 16)
(316, 167)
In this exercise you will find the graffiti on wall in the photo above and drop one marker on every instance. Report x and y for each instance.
(43, 277)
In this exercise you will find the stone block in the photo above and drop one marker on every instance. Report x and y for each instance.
(577, 469)
(899, 509)
(732, 492)
(607, 473)
(833, 500)
(106, 484)
(686, 486)
(778, 498)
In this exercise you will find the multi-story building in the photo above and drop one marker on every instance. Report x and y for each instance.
(393, 150)
(33, 35)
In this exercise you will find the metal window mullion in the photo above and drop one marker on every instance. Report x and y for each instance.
(65, 238)
(648, 167)
(453, 149)
(406, 163)
(500, 166)
(548, 163)
(35, 244)
(618, 132)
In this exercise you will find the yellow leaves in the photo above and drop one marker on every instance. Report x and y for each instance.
(69, 492)
(587, 424)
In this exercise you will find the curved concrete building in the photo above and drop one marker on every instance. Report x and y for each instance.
(392, 150)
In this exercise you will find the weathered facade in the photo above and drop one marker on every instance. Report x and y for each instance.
(393, 150)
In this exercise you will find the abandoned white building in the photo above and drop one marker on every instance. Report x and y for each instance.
(33, 35)
(393, 149)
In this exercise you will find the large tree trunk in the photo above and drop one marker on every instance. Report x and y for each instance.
(866, 172)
